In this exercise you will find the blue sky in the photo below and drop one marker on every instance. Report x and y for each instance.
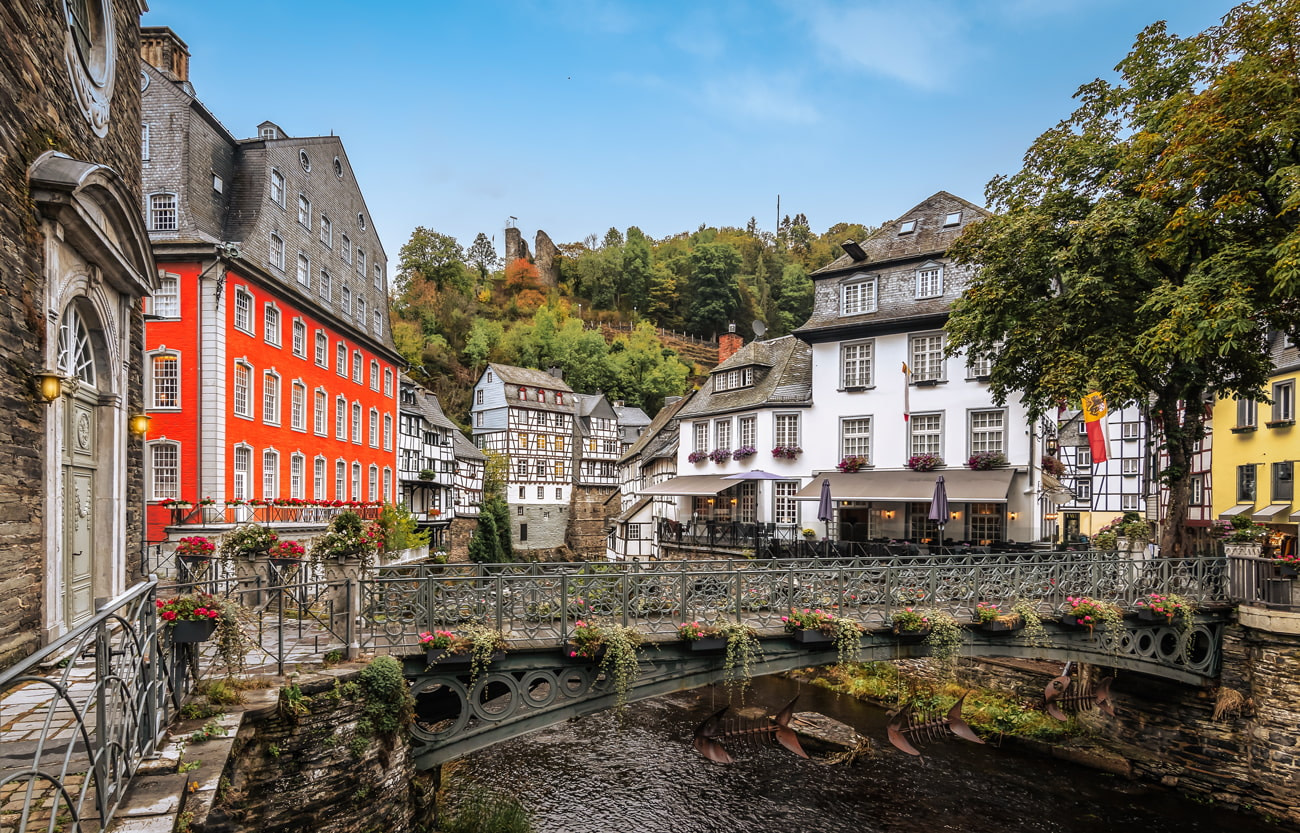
(577, 116)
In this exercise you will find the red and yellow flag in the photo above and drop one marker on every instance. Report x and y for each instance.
(1094, 422)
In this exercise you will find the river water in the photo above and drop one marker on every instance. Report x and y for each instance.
(643, 776)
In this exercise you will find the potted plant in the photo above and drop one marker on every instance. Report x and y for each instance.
(428, 474)
(248, 541)
(720, 455)
(190, 618)
(1088, 613)
(1160, 607)
(286, 553)
(924, 462)
(809, 534)
(743, 452)
(910, 622)
(349, 537)
(851, 463)
(700, 637)
(1288, 565)
(697, 456)
(809, 627)
(195, 550)
(786, 452)
(992, 619)
(986, 460)
(618, 649)
(437, 645)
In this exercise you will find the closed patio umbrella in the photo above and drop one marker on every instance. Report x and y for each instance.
(824, 511)
(939, 506)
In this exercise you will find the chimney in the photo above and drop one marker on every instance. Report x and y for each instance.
(164, 51)
(618, 403)
(556, 371)
(728, 343)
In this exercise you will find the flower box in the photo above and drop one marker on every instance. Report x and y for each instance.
(189, 631)
(193, 560)
(706, 644)
(1073, 622)
(1002, 624)
(285, 562)
(1145, 615)
(1287, 571)
(911, 636)
(570, 650)
(444, 658)
(808, 636)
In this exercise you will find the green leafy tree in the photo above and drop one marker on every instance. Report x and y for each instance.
(432, 257)
(485, 543)
(1150, 241)
(715, 298)
(497, 509)
(482, 255)
(644, 370)
(483, 336)
(795, 301)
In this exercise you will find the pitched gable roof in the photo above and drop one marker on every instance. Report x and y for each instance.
(788, 381)
(930, 235)
(531, 377)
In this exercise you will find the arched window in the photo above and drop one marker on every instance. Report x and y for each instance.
(162, 212)
(76, 352)
(270, 474)
(243, 389)
(271, 398)
(373, 486)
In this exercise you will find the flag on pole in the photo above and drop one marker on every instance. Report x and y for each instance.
(1094, 422)
(907, 409)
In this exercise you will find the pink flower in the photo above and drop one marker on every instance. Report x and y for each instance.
(573, 653)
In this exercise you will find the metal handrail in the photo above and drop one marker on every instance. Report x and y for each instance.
(93, 719)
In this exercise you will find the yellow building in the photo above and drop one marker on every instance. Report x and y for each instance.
(1256, 448)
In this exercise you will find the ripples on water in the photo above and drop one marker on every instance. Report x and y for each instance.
(644, 777)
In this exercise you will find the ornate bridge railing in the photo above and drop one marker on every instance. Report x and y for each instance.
(539, 602)
(74, 733)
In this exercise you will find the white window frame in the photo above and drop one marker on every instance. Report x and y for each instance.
(721, 433)
(926, 360)
(318, 474)
(244, 310)
(357, 362)
(304, 269)
(159, 384)
(983, 436)
(388, 383)
(298, 405)
(388, 484)
(167, 300)
(1247, 413)
(1083, 490)
(164, 212)
(377, 323)
(361, 262)
(374, 375)
(320, 412)
(162, 487)
(1130, 503)
(857, 364)
(1130, 466)
(858, 295)
(275, 251)
(952, 218)
(322, 349)
(915, 436)
(242, 392)
(748, 431)
(340, 479)
(304, 210)
(388, 432)
(325, 289)
(271, 324)
(1197, 490)
(372, 484)
(270, 397)
(341, 418)
(298, 330)
(1130, 431)
(1083, 458)
(700, 436)
(855, 437)
(785, 509)
(356, 422)
(356, 480)
(297, 475)
(345, 249)
(783, 433)
(929, 280)
(374, 427)
(270, 474)
(326, 231)
(277, 187)
(341, 359)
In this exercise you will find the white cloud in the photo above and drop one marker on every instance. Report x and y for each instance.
(921, 42)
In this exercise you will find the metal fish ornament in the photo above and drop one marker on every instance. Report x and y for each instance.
(710, 734)
(905, 727)
(1058, 694)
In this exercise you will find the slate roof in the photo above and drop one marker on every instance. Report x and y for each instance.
(786, 381)
(892, 257)
(463, 449)
(532, 377)
(631, 416)
(652, 432)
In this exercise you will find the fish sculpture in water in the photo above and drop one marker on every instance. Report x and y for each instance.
(712, 732)
(1058, 694)
(906, 727)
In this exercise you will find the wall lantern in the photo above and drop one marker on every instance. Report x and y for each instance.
(1013, 516)
(889, 514)
(1051, 516)
(139, 424)
(50, 383)
(956, 514)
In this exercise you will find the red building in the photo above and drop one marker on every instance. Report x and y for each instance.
(270, 373)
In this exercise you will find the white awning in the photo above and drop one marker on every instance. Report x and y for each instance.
(963, 485)
(1239, 509)
(702, 485)
(1271, 514)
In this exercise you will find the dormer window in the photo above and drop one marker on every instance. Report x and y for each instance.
(523, 393)
(733, 379)
(541, 395)
(559, 398)
(929, 280)
(907, 227)
(858, 296)
(953, 218)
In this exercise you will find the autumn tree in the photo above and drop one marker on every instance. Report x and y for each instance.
(1150, 242)
(433, 257)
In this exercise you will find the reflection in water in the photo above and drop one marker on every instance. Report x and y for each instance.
(591, 775)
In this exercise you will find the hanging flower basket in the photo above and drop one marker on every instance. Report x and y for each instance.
(697, 456)
(743, 452)
(1053, 466)
(191, 631)
(720, 455)
(786, 452)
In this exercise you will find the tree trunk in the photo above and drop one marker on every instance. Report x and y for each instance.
(1181, 422)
